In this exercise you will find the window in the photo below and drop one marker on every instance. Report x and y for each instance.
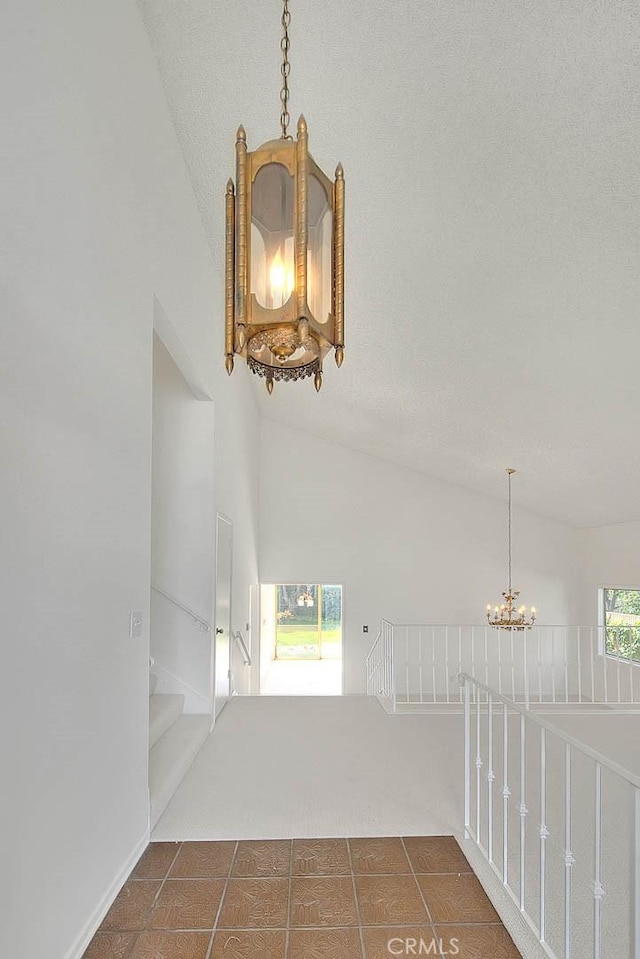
(621, 620)
(308, 621)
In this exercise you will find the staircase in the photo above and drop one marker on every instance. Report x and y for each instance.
(174, 742)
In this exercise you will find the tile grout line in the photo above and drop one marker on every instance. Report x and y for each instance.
(355, 898)
(138, 933)
(219, 909)
(166, 875)
(424, 901)
(288, 927)
(286, 935)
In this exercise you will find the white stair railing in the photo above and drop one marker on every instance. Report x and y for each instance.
(242, 646)
(379, 667)
(197, 620)
(557, 822)
(181, 641)
(414, 666)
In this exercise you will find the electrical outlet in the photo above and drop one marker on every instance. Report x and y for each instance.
(135, 624)
(365, 629)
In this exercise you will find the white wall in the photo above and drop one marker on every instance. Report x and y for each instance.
(609, 556)
(405, 547)
(96, 218)
(182, 533)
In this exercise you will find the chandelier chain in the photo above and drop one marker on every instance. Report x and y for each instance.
(509, 531)
(285, 70)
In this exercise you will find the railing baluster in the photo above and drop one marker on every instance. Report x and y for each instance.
(506, 793)
(387, 665)
(446, 662)
(478, 764)
(393, 670)
(635, 889)
(579, 642)
(486, 655)
(544, 832)
(510, 670)
(523, 807)
(385, 661)
(556, 941)
(569, 860)
(433, 664)
(539, 636)
(598, 890)
(406, 664)
(513, 669)
(467, 758)
(490, 775)
(459, 668)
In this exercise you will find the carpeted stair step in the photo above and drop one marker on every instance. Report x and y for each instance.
(164, 710)
(171, 757)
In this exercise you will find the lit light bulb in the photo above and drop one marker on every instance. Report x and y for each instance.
(277, 277)
(281, 281)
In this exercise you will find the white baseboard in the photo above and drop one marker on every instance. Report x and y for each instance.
(93, 923)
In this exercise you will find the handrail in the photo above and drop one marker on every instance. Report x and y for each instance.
(496, 791)
(375, 643)
(200, 622)
(568, 665)
(534, 717)
(239, 638)
(488, 626)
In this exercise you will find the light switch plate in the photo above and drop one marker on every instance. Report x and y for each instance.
(135, 624)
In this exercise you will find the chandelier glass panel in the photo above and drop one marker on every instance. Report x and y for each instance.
(284, 278)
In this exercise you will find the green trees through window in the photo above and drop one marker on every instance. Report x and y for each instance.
(308, 621)
(622, 621)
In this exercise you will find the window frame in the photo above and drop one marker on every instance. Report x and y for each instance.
(602, 624)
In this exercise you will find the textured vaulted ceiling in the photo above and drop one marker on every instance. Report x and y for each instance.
(492, 157)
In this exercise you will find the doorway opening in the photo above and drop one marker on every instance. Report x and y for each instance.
(301, 639)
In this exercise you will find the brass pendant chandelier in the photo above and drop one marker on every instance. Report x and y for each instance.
(506, 616)
(284, 270)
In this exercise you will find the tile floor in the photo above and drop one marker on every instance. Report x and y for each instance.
(303, 899)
